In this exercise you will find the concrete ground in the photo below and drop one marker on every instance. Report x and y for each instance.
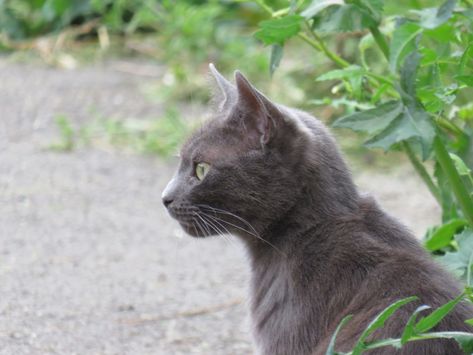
(90, 263)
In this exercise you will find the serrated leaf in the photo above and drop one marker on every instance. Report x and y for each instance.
(434, 318)
(408, 77)
(278, 30)
(409, 329)
(379, 322)
(444, 234)
(331, 345)
(460, 165)
(432, 18)
(316, 6)
(345, 18)
(371, 121)
(276, 56)
(410, 124)
(459, 261)
(403, 39)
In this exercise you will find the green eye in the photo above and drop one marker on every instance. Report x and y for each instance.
(201, 169)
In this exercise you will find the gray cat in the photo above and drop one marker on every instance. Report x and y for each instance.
(274, 177)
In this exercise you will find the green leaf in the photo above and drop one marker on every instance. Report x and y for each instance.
(375, 7)
(345, 73)
(444, 234)
(410, 124)
(415, 122)
(403, 42)
(466, 59)
(432, 18)
(469, 321)
(408, 77)
(352, 75)
(331, 345)
(345, 18)
(459, 261)
(318, 5)
(460, 165)
(434, 318)
(379, 322)
(276, 56)
(373, 120)
(465, 79)
(276, 31)
(465, 340)
(410, 330)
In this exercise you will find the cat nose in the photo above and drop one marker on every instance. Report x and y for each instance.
(169, 193)
(167, 201)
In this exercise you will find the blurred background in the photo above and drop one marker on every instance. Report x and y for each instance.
(96, 97)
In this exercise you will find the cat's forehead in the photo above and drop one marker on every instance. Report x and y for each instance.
(213, 141)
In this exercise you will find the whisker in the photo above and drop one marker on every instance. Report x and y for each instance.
(233, 215)
(204, 223)
(199, 225)
(255, 234)
(219, 227)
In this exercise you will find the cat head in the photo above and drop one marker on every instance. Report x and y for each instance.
(244, 168)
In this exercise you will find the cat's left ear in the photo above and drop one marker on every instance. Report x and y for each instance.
(262, 115)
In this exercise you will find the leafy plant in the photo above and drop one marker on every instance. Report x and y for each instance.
(409, 86)
(415, 329)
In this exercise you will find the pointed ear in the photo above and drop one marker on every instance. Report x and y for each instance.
(225, 91)
(262, 114)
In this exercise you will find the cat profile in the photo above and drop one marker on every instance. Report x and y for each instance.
(274, 177)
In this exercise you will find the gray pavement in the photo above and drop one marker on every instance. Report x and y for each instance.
(90, 263)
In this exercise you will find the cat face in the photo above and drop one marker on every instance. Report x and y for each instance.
(239, 171)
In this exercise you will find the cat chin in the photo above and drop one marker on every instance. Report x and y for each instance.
(191, 230)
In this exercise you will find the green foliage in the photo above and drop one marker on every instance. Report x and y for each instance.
(67, 140)
(414, 329)
(406, 86)
(442, 236)
(378, 323)
(159, 137)
(460, 260)
(278, 30)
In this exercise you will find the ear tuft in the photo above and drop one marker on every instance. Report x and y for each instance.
(225, 92)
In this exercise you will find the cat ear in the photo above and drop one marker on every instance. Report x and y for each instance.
(225, 92)
(262, 120)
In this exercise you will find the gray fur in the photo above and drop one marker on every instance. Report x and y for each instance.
(319, 250)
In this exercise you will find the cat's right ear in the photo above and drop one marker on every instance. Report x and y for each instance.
(224, 92)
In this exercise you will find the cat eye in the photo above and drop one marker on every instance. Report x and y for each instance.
(201, 169)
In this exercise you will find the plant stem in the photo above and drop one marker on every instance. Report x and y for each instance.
(265, 7)
(419, 167)
(380, 41)
(458, 187)
(334, 57)
(449, 125)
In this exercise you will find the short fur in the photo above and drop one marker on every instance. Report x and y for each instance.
(319, 250)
